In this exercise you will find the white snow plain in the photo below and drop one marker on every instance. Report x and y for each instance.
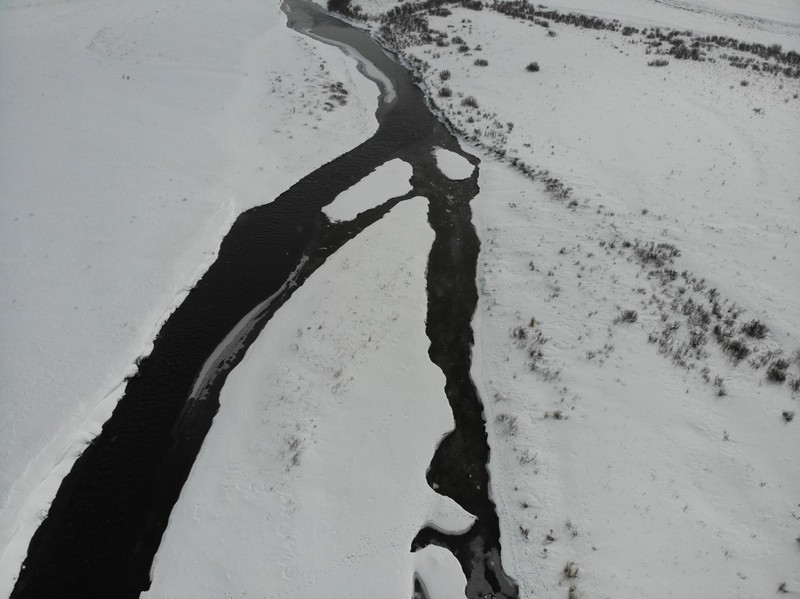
(133, 134)
(389, 180)
(452, 165)
(656, 474)
(311, 481)
(646, 478)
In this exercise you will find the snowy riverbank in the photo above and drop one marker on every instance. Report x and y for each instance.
(133, 134)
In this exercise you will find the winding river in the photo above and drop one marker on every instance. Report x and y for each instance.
(107, 519)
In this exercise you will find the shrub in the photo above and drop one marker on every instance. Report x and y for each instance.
(481, 62)
(572, 592)
(340, 6)
(470, 101)
(445, 92)
(658, 254)
(788, 415)
(755, 329)
(777, 371)
(744, 83)
(737, 349)
(627, 316)
(444, 75)
(507, 424)
(533, 67)
(781, 364)
(658, 62)
(472, 4)
(463, 48)
(571, 570)
(526, 458)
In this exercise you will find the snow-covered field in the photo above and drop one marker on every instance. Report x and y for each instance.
(683, 144)
(631, 455)
(636, 469)
(133, 134)
(627, 463)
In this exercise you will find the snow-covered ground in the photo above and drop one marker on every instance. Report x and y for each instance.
(626, 463)
(133, 134)
(646, 478)
(311, 482)
(389, 180)
(452, 165)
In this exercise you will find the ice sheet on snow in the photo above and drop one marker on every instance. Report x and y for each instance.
(388, 94)
(452, 165)
(311, 481)
(440, 573)
(387, 181)
(449, 517)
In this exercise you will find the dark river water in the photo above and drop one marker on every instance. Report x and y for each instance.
(106, 522)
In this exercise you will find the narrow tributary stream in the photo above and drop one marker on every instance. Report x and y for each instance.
(106, 522)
